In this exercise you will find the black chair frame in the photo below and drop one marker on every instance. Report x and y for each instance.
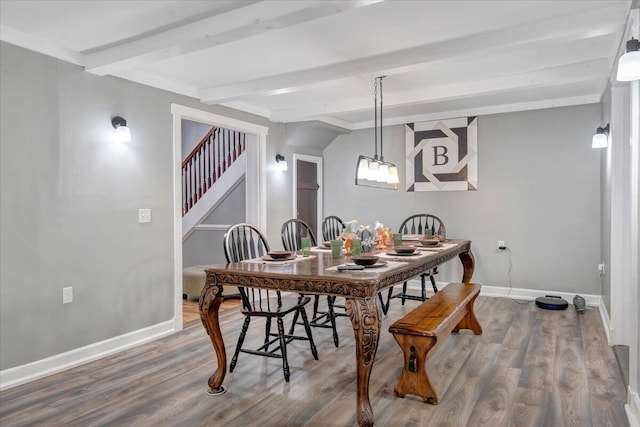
(245, 241)
(292, 231)
(332, 227)
(418, 224)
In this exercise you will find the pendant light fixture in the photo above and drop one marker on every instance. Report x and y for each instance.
(375, 172)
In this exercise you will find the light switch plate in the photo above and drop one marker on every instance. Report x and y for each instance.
(144, 215)
(67, 295)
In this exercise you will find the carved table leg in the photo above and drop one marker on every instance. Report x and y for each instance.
(468, 263)
(365, 318)
(210, 300)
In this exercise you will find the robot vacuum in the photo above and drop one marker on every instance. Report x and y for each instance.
(552, 302)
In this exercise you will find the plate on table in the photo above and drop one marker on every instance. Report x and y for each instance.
(324, 248)
(404, 249)
(280, 254)
(402, 254)
(431, 243)
(271, 258)
(364, 260)
(376, 265)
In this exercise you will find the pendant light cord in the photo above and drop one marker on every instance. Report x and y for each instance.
(375, 120)
(381, 155)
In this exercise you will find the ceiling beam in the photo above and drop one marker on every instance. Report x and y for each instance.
(549, 31)
(592, 98)
(561, 75)
(250, 19)
(37, 44)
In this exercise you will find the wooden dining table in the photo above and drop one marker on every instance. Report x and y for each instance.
(317, 274)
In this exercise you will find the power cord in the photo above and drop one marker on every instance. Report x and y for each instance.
(506, 248)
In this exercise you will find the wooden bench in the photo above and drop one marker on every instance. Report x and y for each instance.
(421, 332)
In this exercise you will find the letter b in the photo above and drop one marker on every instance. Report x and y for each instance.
(440, 153)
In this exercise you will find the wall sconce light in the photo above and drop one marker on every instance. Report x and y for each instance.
(123, 134)
(629, 63)
(281, 163)
(601, 137)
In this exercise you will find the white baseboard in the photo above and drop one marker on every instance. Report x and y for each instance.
(518, 293)
(606, 321)
(22, 374)
(633, 408)
(532, 294)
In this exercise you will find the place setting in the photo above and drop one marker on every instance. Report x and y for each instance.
(323, 246)
(370, 263)
(278, 258)
(402, 252)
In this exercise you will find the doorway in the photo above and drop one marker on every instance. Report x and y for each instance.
(255, 183)
(308, 195)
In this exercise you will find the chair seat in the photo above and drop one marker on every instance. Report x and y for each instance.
(269, 308)
(194, 278)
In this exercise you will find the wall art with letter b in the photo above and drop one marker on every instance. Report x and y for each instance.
(442, 155)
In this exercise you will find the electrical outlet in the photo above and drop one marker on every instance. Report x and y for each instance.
(501, 245)
(67, 295)
(144, 215)
(601, 269)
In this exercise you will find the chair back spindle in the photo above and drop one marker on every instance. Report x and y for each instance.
(292, 232)
(332, 227)
(241, 242)
(418, 224)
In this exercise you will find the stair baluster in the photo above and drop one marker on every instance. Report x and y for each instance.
(211, 157)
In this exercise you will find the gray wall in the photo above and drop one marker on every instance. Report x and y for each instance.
(192, 133)
(70, 200)
(539, 191)
(205, 246)
(280, 190)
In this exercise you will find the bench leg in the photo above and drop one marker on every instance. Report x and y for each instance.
(414, 379)
(469, 321)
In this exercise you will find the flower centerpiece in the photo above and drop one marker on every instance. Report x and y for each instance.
(367, 236)
(384, 236)
(349, 234)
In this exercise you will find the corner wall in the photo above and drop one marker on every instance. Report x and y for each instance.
(539, 190)
(69, 206)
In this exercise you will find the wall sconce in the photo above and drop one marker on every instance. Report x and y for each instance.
(629, 63)
(281, 163)
(601, 137)
(123, 134)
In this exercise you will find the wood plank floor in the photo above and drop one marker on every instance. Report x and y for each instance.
(531, 367)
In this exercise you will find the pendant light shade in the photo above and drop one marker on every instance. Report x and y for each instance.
(375, 172)
(363, 168)
(629, 63)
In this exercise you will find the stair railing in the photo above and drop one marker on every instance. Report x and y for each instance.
(213, 155)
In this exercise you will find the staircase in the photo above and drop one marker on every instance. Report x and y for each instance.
(209, 172)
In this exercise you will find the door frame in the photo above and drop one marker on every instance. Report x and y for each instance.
(255, 179)
(318, 161)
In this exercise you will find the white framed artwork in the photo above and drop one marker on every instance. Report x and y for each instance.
(442, 155)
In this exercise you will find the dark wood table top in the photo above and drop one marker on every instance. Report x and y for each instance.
(314, 276)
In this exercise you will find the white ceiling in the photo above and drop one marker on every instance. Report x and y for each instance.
(294, 61)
